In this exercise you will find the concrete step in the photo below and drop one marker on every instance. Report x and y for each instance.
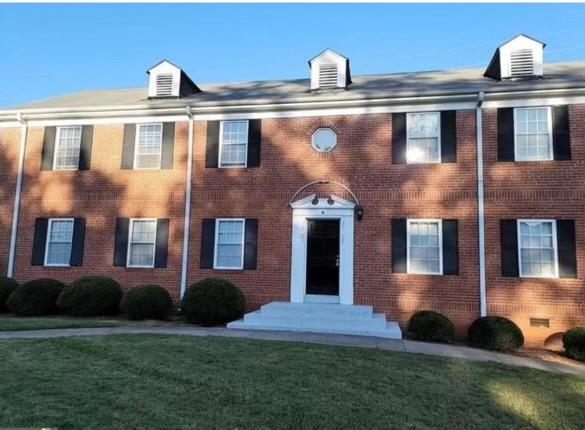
(356, 320)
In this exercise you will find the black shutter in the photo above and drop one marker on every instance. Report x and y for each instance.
(207, 243)
(254, 141)
(48, 148)
(212, 146)
(39, 242)
(121, 243)
(566, 249)
(168, 145)
(398, 138)
(449, 136)
(509, 247)
(162, 242)
(128, 146)
(85, 149)
(506, 134)
(251, 244)
(78, 242)
(450, 247)
(399, 245)
(561, 133)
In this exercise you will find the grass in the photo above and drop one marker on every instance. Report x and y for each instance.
(14, 323)
(178, 382)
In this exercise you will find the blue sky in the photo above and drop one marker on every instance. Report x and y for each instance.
(48, 50)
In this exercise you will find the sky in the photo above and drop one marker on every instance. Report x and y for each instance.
(51, 50)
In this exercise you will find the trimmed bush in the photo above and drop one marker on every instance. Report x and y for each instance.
(7, 286)
(146, 302)
(431, 326)
(91, 296)
(213, 301)
(34, 298)
(574, 343)
(495, 333)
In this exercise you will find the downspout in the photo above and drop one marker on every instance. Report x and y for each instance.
(480, 206)
(188, 187)
(17, 195)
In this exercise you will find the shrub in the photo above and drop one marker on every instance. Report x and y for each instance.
(146, 302)
(34, 298)
(574, 343)
(90, 296)
(213, 301)
(495, 333)
(7, 286)
(431, 326)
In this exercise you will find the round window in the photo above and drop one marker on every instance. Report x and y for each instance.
(324, 140)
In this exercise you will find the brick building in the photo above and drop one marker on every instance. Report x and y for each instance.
(456, 191)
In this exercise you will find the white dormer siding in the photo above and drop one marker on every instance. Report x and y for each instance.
(329, 70)
(168, 80)
(521, 57)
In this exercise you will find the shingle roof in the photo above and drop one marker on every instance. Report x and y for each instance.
(560, 75)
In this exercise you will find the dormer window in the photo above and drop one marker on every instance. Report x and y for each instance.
(329, 70)
(167, 80)
(519, 58)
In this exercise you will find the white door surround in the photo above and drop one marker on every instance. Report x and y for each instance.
(312, 208)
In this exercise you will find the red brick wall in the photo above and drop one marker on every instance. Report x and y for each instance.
(100, 195)
(362, 161)
(9, 148)
(544, 189)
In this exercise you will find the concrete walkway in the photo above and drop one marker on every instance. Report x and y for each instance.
(323, 339)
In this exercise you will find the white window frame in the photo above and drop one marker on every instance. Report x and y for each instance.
(58, 144)
(47, 240)
(408, 116)
(219, 163)
(550, 134)
(323, 129)
(440, 227)
(216, 243)
(555, 248)
(137, 139)
(130, 231)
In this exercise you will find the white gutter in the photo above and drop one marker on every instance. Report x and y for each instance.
(188, 186)
(480, 206)
(17, 195)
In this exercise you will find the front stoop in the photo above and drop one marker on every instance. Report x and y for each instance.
(358, 320)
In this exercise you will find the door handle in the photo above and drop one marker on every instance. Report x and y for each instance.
(337, 261)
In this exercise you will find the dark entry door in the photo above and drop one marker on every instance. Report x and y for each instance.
(323, 257)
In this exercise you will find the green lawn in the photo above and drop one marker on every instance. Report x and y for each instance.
(13, 323)
(180, 382)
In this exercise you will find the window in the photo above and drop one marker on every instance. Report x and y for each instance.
(233, 144)
(533, 134)
(423, 137)
(537, 241)
(59, 240)
(229, 244)
(324, 140)
(424, 247)
(142, 243)
(148, 146)
(68, 144)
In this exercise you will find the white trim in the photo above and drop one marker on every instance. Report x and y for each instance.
(480, 207)
(130, 230)
(58, 143)
(341, 210)
(322, 129)
(187, 215)
(137, 139)
(216, 243)
(440, 228)
(438, 160)
(555, 247)
(550, 134)
(220, 146)
(47, 241)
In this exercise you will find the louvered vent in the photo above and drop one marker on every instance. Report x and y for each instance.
(521, 63)
(164, 85)
(328, 76)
